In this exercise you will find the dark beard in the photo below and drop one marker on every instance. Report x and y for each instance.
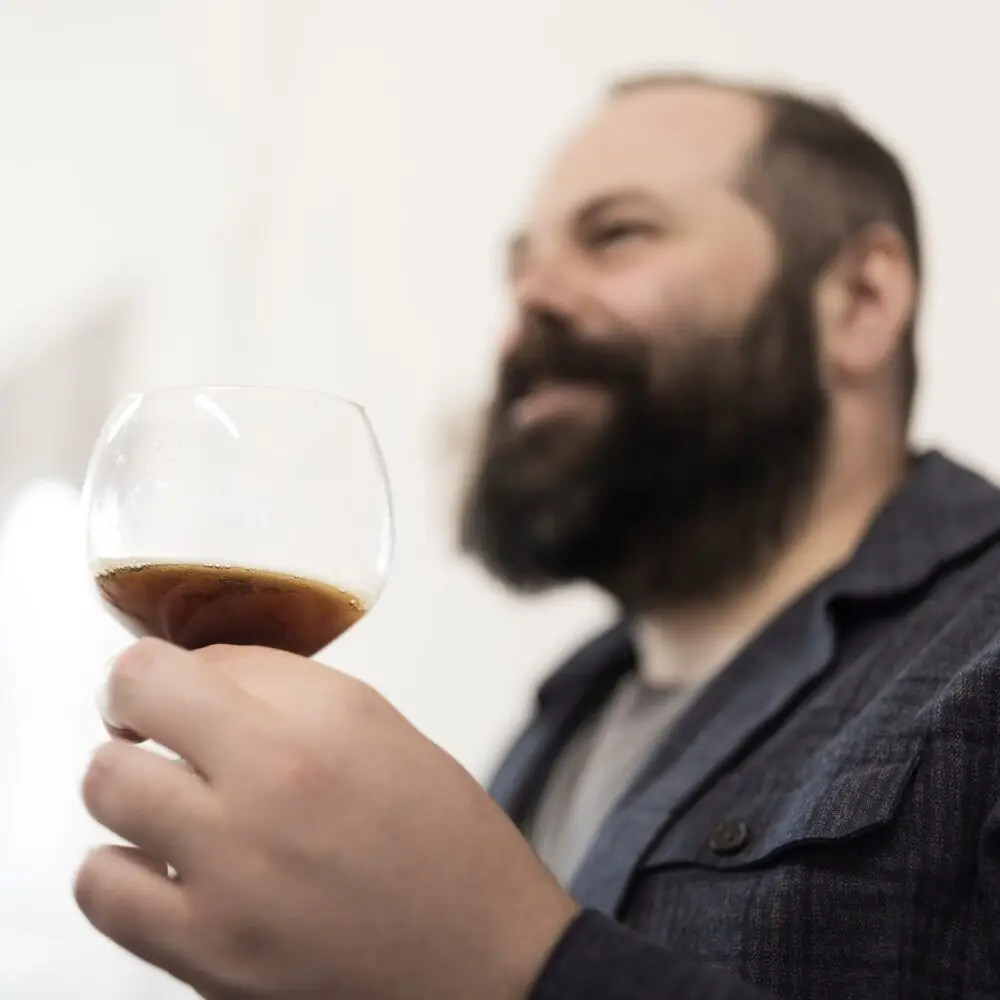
(700, 472)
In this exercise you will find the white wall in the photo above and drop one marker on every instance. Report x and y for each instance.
(132, 170)
(315, 193)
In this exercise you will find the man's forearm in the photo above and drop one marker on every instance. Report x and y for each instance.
(598, 959)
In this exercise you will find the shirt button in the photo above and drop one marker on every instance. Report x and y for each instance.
(729, 837)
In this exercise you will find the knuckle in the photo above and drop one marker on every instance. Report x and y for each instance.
(238, 941)
(131, 668)
(298, 776)
(295, 773)
(360, 703)
(100, 778)
(89, 886)
(215, 655)
(85, 886)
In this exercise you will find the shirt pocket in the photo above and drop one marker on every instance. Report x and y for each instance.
(749, 821)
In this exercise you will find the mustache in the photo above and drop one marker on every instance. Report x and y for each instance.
(550, 348)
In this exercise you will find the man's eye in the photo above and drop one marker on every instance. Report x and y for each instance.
(619, 232)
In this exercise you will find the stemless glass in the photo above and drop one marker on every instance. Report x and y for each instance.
(240, 515)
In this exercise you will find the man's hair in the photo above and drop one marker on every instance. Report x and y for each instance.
(821, 178)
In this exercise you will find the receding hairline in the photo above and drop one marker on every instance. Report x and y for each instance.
(811, 144)
(765, 95)
(825, 137)
(763, 102)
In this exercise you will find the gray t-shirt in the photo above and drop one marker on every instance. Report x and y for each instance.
(596, 769)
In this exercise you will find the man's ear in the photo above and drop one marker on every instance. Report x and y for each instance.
(865, 301)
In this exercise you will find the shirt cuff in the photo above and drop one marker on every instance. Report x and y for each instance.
(600, 959)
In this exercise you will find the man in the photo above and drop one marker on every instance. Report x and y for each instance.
(779, 776)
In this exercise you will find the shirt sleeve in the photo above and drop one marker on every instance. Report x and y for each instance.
(599, 959)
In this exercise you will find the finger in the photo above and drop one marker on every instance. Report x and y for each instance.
(125, 898)
(151, 802)
(161, 693)
(140, 857)
(104, 710)
(158, 867)
(123, 734)
(295, 688)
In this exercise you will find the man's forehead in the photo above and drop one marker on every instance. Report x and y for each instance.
(661, 138)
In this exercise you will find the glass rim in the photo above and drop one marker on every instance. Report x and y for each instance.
(192, 388)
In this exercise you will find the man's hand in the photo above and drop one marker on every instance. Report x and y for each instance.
(323, 848)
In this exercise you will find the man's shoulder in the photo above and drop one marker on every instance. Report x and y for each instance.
(925, 667)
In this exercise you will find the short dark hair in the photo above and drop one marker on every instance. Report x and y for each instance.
(821, 178)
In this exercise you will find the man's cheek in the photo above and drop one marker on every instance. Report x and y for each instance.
(647, 303)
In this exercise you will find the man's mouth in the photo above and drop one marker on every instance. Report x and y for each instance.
(549, 400)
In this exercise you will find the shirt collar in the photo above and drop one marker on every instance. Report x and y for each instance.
(943, 513)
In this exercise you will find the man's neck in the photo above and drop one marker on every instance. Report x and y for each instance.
(687, 646)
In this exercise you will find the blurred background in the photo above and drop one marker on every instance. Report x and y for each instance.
(314, 193)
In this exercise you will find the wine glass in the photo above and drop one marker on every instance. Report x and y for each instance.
(239, 515)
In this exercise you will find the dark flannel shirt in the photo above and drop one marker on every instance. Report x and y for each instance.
(823, 822)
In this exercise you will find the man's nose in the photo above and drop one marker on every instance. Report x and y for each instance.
(547, 282)
(545, 289)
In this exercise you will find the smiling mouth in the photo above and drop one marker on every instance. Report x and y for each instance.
(549, 400)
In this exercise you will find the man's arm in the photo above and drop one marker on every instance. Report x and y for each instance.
(598, 959)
